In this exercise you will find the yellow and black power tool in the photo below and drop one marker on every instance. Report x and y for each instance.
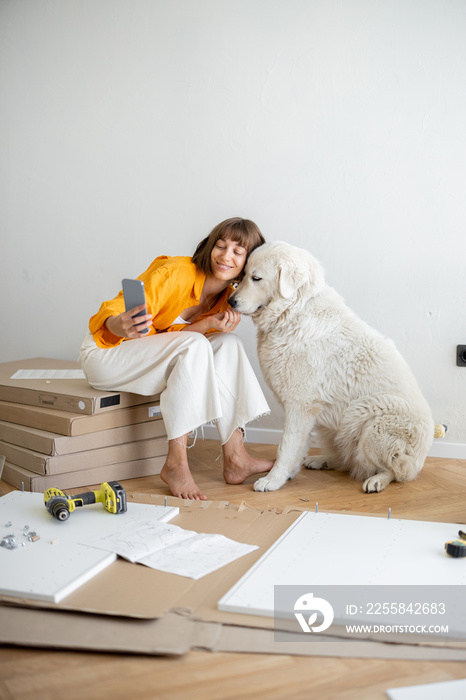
(111, 494)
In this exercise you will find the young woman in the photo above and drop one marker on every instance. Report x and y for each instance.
(188, 354)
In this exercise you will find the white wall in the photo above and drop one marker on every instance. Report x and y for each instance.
(129, 128)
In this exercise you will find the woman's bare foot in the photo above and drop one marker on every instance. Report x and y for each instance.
(177, 475)
(238, 464)
(180, 482)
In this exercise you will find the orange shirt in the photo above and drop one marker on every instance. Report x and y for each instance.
(172, 284)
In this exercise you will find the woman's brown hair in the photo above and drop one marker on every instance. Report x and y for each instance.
(242, 231)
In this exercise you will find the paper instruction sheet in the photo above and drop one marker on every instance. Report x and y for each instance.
(170, 548)
(48, 374)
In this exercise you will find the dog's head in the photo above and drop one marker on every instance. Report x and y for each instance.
(277, 275)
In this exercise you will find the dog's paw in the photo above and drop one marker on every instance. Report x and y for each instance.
(268, 483)
(317, 462)
(376, 483)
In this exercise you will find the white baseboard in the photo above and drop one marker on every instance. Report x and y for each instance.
(448, 450)
(267, 436)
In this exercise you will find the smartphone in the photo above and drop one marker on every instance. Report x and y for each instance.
(133, 292)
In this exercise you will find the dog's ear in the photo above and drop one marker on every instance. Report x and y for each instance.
(290, 279)
(294, 274)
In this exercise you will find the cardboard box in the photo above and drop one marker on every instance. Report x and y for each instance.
(83, 478)
(74, 395)
(59, 464)
(72, 424)
(49, 443)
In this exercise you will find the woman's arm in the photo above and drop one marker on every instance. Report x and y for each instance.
(225, 321)
(108, 331)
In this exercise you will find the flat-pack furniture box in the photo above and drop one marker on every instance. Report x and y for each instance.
(73, 424)
(68, 394)
(25, 479)
(88, 459)
(51, 443)
(56, 430)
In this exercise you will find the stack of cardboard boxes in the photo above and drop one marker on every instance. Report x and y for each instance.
(56, 430)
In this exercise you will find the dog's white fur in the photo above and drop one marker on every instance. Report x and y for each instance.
(333, 374)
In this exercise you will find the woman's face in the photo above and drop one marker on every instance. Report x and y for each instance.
(227, 260)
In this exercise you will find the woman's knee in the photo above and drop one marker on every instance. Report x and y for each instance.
(227, 341)
(228, 352)
(198, 347)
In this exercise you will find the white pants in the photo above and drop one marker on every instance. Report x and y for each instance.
(200, 379)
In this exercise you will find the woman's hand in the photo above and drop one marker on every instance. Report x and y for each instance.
(226, 321)
(126, 325)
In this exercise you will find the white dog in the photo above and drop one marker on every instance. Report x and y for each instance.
(333, 374)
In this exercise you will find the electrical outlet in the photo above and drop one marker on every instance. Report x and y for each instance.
(461, 355)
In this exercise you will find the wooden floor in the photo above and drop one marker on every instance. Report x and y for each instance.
(438, 494)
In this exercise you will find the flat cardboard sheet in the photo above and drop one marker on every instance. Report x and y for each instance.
(68, 394)
(233, 638)
(109, 598)
(176, 634)
(172, 635)
(108, 594)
